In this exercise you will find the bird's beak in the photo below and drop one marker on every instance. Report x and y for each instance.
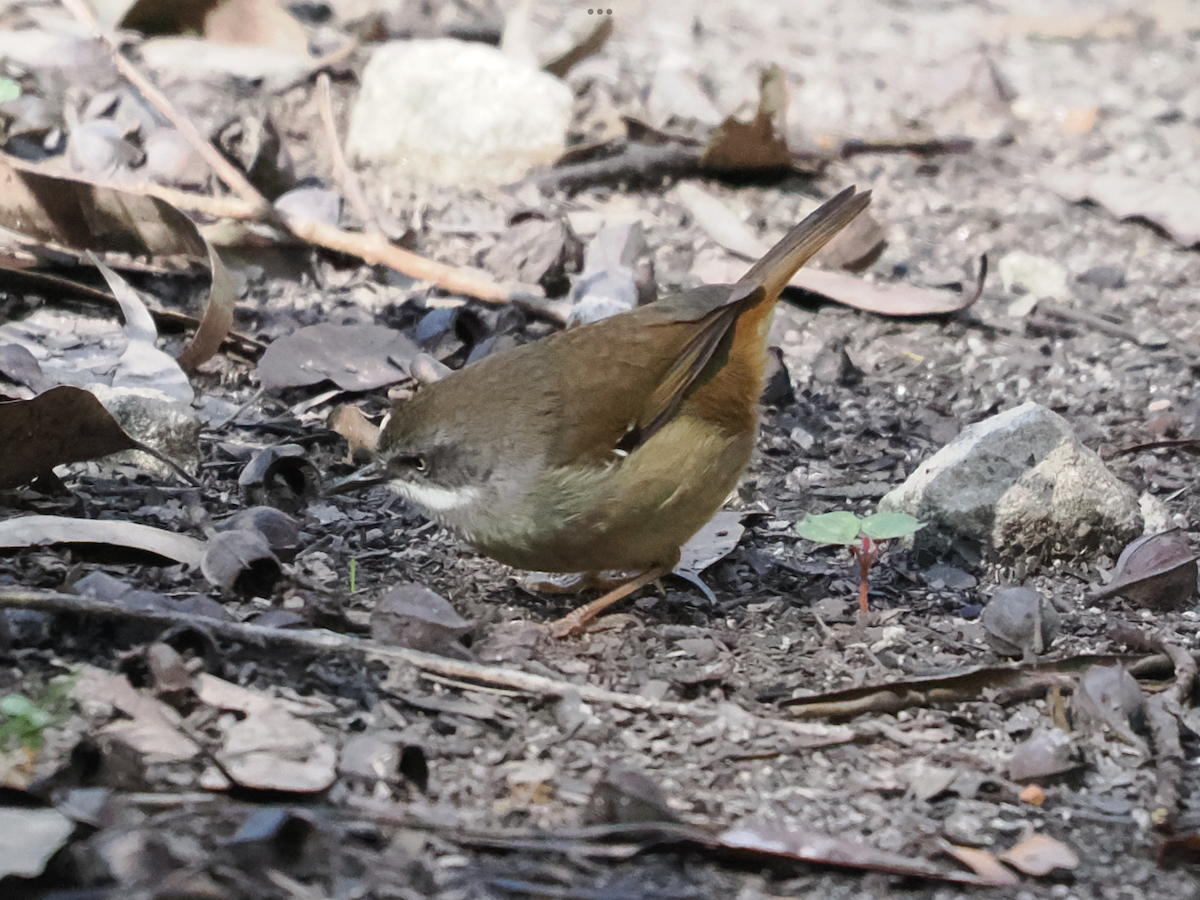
(371, 474)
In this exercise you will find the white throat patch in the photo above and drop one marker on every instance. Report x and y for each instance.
(433, 497)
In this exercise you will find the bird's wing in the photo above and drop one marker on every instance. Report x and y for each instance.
(760, 285)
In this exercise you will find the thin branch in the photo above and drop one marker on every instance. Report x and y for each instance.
(1162, 713)
(225, 170)
(376, 249)
(346, 177)
(329, 642)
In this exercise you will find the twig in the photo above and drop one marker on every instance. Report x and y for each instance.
(166, 460)
(635, 161)
(330, 642)
(1162, 713)
(342, 173)
(225, 170)
(376, 249)
(932, 147)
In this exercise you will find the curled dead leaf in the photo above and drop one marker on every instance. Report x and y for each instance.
(63, 425)
(1157, 571)
(76, 214)
(40, 531)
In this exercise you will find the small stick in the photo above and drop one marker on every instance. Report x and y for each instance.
(376, 249)
(342, 173)
(225, 170)
(327, 641)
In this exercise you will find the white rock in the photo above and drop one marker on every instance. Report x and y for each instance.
(1038, 275)
(457, 113)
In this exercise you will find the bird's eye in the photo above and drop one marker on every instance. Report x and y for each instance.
(416, 463)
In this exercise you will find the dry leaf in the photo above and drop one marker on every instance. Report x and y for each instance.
(1109, 697)
(40, 531)
(854, 248)
(1040, 855)
(759, 144)
(260, 23)
(981, 862)
(711, 543)
(31, 837)
(1157, 571)
(143, 365)
(63, 425)
(269, 748)
(779, 840)
(885, 299)
(720, 222)
(354, 357)
(75, 214)
(1171, 204)
(361, 434)
(412, 615)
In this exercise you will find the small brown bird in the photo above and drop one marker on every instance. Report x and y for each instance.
(609, 445)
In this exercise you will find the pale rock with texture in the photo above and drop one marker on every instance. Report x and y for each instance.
(1068, 504)
(457, 113)
(1039, 276)
(1021, 482)
(157, 420)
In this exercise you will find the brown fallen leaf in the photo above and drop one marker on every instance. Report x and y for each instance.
(354, 357)
(981, 862)
(361, 434)
(1157, 571)
(74, 214)
(41, 531)
(1040, 855)
(759, 144)
(63, 425)
(260, 23)
(411, 615)
(778, 840)
(856, 247)
(269, 747)
(721, 223)
(883, 299)
(1108, 698)
(725, 227)
(1171, 204)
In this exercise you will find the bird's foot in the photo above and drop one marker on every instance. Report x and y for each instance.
(574, 621)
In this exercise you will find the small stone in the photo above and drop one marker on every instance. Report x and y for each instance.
(1103, 277)
(1038, 275)
(1023, 482)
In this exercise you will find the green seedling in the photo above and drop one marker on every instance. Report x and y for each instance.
(353, 573)
(22, 722)
(23, 719)
(862, 536)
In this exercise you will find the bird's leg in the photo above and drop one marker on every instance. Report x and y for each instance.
(576, 619)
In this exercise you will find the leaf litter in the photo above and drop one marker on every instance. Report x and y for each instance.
(683, 689)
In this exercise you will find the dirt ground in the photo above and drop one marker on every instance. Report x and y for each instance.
(493, 776)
